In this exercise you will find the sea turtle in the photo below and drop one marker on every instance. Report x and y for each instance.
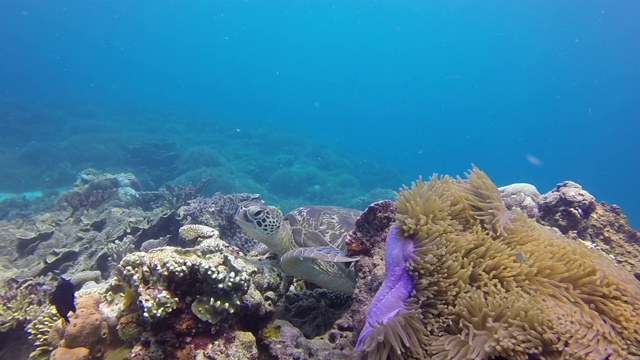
(310, 241)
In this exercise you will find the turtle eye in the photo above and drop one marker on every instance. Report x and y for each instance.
(258, 213)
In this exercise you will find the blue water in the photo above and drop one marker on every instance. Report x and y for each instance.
(537, 92)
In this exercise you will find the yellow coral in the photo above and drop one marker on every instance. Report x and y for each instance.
(479, 300)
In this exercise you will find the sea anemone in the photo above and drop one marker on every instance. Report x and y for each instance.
(392, 326)
(473, 297)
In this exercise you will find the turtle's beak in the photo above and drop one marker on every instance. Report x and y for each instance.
(242, 216)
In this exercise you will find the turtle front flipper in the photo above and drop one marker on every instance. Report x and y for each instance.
(323, 266)
(325, 253)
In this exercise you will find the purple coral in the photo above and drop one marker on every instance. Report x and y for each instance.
(396, 287)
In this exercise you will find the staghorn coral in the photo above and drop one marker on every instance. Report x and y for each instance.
(485, 287)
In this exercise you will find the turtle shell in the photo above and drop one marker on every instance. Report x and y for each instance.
(314, 226)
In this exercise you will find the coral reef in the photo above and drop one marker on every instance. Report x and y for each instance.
(313, 312)
(467, 271)
(88, 329)
(210, 274)
(607, 229)
(523, 197)
(566, 207)
(282, 340)
(370, 225)
(21, 302)
(178, 196)
(67, 244)
(484, 289)
(94, 189)
(241, 345)
(211, 278)
(198, 301)
(577, 215)
(39, 330)
(218, 212)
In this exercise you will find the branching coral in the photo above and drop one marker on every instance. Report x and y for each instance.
(38, 331)
(21, 303)
(493, 284)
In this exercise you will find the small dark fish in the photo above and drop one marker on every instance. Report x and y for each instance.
(63, 298)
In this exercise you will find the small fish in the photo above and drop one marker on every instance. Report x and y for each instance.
(520, 258)
(63, 298)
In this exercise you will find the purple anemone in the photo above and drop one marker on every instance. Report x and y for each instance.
(396, 287)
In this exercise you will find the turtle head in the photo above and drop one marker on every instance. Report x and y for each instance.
(260, 222)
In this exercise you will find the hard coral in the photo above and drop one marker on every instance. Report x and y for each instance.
(485, 291)
(88, 328)
(210, 275)
(79, 353)
(21, 302)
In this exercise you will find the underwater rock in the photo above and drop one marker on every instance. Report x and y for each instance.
(313, 312)
(521, 196)
(218, 212)
(239, 345)
(285, 341)
(371, 227)
(83, 277)
(607, 230)
(368, 239)
(566, 207)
